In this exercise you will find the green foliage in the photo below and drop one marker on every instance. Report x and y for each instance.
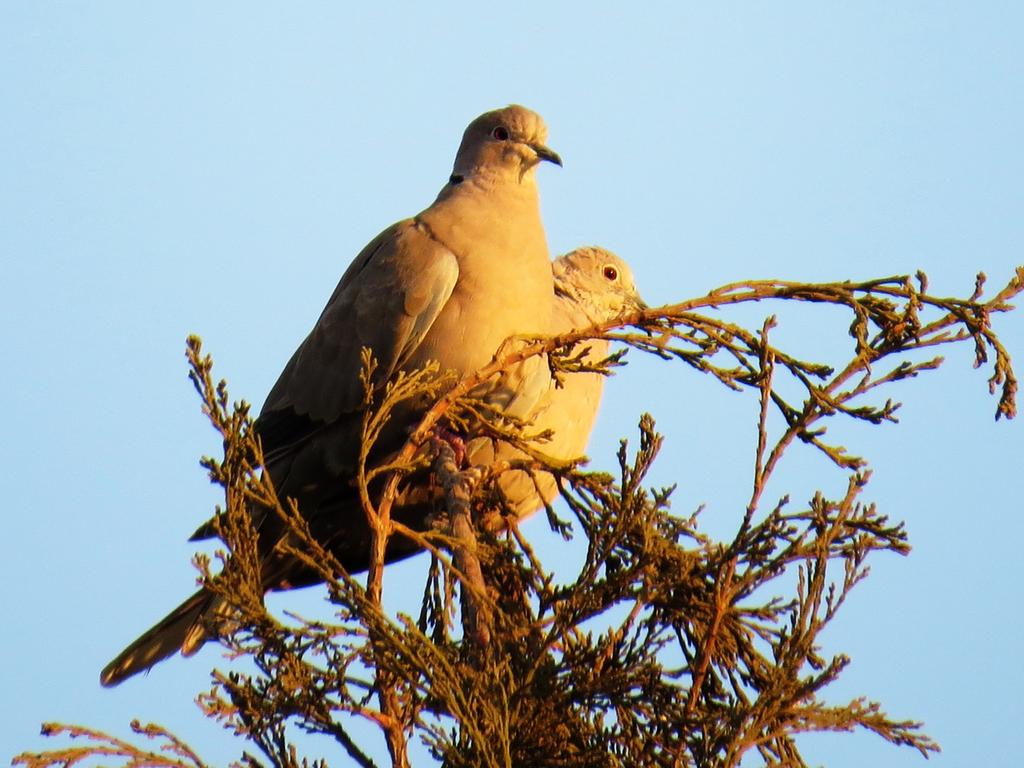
(664, 648)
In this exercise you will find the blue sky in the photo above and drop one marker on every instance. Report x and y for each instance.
(167, 167)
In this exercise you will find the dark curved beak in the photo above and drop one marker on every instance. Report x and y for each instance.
(545, 153)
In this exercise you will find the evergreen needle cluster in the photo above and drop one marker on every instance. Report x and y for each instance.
(663, 648)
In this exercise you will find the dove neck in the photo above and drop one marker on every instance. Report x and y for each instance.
(516, 196)
(571, 296)
(518, 174)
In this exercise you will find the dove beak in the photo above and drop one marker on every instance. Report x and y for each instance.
(637, 304)
(544, 153)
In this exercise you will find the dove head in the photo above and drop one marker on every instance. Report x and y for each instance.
(598, 282)
(506, 143)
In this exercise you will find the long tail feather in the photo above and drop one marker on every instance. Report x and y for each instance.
(182, 629)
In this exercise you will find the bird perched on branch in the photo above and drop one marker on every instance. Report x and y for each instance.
(593, 286)
(448, 285)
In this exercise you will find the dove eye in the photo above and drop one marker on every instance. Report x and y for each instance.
(500, 133)
(611, 273)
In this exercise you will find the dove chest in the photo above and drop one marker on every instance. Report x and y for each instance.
(504, 285)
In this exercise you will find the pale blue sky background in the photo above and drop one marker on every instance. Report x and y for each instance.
(166, 167)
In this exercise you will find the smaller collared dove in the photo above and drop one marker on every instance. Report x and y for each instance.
(448, 285)
(592, 286)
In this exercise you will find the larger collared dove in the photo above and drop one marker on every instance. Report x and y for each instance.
(448, 285)
(592, 286)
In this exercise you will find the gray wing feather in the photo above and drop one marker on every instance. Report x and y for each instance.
(386, 301)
